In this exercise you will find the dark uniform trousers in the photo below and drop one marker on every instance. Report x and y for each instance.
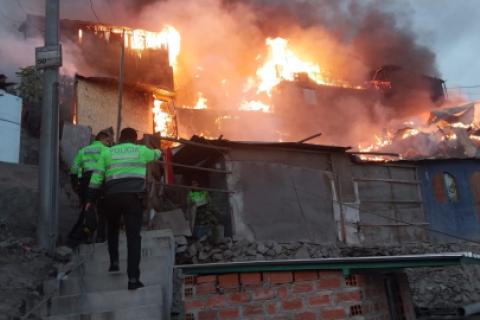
(75, 232)
(128, 205)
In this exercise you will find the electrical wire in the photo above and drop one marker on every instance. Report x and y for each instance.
(466, 87)
(93, 10)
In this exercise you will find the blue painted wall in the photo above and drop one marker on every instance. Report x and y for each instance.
(459, 218)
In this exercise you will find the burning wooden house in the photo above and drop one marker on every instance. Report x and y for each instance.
(144, 62)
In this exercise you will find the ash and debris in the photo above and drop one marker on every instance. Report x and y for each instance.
(431, 287)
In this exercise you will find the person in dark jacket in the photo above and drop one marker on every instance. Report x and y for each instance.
(122, 170)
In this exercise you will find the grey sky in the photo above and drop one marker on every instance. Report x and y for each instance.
(450, 27)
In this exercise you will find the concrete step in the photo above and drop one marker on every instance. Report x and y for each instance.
(100, 268)
(101, 302)
(108, 281)
(148, 312)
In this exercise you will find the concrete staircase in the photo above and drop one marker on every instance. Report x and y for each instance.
(91, 292)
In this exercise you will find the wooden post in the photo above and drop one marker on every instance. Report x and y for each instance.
(120, 86)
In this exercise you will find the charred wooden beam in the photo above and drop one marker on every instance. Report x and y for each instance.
(310, 137)
(196, 144)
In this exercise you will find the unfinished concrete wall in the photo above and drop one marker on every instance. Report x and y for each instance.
(390, 204)
(281, 195)
(97, 105)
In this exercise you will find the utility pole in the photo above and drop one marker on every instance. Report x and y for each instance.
(120, 86)
(49, 59)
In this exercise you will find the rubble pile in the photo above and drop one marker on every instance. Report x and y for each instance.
(204, 250)
(448, 133)
(234, 250)
(444, 287)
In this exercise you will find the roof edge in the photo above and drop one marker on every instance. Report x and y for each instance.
(344, 264)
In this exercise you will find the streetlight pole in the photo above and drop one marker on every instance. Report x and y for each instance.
(48, 58)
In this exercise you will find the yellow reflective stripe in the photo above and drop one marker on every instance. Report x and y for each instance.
(125, 156)
(132, 164)
(126, 175)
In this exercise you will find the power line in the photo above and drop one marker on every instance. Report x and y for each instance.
(93, 11)
(465, 87)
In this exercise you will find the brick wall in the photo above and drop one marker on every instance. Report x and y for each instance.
(302, 295)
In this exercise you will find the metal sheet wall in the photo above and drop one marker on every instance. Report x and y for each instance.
(458, 218)
(281, 198)
(390, 204)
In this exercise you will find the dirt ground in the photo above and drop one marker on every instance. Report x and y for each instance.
(23, 266)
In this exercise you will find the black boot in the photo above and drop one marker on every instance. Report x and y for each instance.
(135, 284)
(114, 267)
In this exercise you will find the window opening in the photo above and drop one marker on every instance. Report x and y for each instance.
(451, 187)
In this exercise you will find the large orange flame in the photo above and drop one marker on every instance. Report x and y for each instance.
(138, 39)
(254, 106)
(161, 117)
(283, 64)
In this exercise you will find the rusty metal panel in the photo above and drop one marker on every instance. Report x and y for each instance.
(282, 203)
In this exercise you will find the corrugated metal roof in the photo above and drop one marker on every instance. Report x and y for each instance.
(271, 144)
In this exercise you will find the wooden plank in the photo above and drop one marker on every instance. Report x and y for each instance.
(180, 186)
(386, 154)
(193, 167)
(192, 143)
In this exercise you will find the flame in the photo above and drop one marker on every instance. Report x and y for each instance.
(460, 125)
(254, 106)
(380, 142)
(283, 64)
(137, 39)
(201, 102)
(80, 35)
(474, 138)
(161, 118)
(449, 136)
(410, 133)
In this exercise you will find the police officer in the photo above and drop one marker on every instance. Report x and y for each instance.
(123, 169)
(80, 173)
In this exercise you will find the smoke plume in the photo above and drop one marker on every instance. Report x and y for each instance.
(223, 44)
